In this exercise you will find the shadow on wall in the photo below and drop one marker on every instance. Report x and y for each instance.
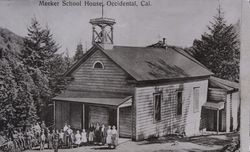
(176, 124)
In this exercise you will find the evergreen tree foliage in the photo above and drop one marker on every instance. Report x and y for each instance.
(40, 47)
(79, 52)
(218, 49)
(67, 59)
(17, 107)
(38, 55)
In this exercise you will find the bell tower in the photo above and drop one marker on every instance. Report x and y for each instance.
(102, 32)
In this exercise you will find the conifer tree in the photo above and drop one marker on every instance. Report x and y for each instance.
(67, 59)
(17, 107)
(218, 49)
(79, 52)
(38, 54)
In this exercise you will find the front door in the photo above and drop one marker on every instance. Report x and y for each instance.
(125, 122)
(98, 114)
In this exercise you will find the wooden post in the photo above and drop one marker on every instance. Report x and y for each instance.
(112, 35)
(83, 116)
(118, 125)
(218, 121)
(93, 35)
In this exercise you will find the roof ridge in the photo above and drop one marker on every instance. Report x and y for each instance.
(191, 58)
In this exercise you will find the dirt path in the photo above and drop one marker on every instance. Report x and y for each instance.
(195, 144)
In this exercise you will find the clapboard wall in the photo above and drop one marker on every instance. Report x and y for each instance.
(189, 121)
(125, 122)
(112, 78)
(216, 95)
(62, 113)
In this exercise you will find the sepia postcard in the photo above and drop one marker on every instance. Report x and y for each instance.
(124, 75)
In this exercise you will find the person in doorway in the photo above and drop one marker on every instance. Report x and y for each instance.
(97, 134)
(114, 137)
(109, 135)
(91, 133)
(103, 134)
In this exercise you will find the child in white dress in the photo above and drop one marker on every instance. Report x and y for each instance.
(109, 135)
(84, 137)
(77, 138)
(42, 142)
(114, 137)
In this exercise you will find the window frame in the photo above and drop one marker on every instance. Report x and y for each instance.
(98, 62)
(154, 108)
(194, 103)
(179, 103)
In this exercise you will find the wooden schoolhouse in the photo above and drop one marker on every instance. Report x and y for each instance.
(144, 91)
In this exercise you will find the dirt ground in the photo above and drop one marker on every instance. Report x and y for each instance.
(210, 143)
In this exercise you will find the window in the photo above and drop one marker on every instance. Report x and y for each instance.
(179, 103)
(98, 65)
(196, 99)
(157, 106)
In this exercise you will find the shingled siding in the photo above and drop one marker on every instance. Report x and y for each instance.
(170, 122)
(112, 78)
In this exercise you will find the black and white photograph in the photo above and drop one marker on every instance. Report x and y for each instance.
(124, 75)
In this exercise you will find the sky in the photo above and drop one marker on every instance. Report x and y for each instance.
(179, 21)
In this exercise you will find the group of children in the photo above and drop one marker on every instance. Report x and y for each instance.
(40, 135)
(27, 137)
(95, 134)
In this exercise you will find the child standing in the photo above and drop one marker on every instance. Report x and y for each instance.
(61, 135)
(50, 140)
(84, 137)
(114, 137)
(109, 135)
(78, 138)
(42, 141)
(91, 133)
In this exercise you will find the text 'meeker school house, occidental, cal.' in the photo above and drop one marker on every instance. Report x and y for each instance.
(145, 91)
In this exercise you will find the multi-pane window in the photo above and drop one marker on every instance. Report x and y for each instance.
(157, 106)
(196, 99)
(179, 103)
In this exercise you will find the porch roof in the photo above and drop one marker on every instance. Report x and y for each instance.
(99, 101)
(214, 105)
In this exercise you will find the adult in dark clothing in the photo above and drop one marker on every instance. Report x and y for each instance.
(103, 130)
(91, 133)
(97, 133)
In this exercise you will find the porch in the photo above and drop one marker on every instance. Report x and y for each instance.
(215, 116)
(79, 113)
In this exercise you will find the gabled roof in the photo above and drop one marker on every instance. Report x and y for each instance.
(148, 63)
(227, 85)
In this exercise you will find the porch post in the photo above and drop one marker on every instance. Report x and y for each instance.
(83, 116)
(218, 121)
(118, 118)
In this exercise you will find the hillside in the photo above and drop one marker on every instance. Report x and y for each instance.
(10, 42)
